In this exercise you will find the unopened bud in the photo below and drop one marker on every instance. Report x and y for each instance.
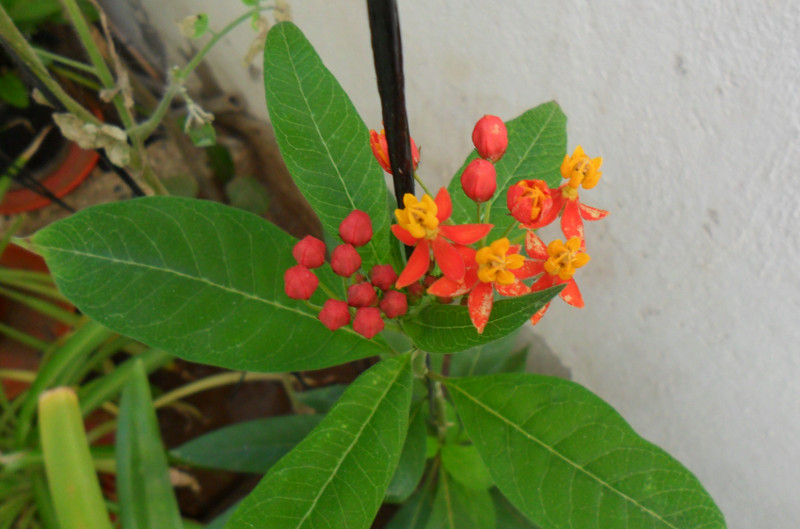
(299, 282)
(356, 228)
(345, 260)
(368, 322)
(383, 276)
(381, 151)
(361, 295)
(334, 314)
(490, 137)
(309, 252)
(394, 304)
(479, 180)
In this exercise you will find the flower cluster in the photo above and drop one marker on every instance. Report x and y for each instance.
(452, 261)
(371, 298)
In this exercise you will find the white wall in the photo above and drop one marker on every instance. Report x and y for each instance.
(692, 294)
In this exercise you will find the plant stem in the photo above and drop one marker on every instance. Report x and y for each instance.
(45, 307)
(44, 54)
(20, 375)
(35, 286)
(214, 381)
(74, 351)
(422, 185)
(44, 502)
(101, 68)
(17, 43)
(436, 401)
(145, 129)
(23, 338)
(478, 215)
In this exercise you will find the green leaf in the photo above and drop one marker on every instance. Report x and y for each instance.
(495, 357)
(412, 460)
(570, 460)
(447, 328)
(458, 507)
(465, 466)
(252, 446)
(146, 496)
(537, 144)
(198, 279)
(414, 513)
(322, 138)
(71, 477)
(247, 193)
(200, 25)
(339, 474)
(202, 135)
(13, 91)
(220, 521)
(508, 517)
(322, 399)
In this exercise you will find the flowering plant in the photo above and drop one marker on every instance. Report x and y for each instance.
(467, 440)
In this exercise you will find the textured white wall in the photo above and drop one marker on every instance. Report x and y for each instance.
(690, 328)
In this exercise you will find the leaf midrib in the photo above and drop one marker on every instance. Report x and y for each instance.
(564, 458)
(352, 445)
(320, 136)
(188, 277)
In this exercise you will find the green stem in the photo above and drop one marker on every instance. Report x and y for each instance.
(145, 129)
(211, 382)
(11, 274)
(101, 430)
(438, 410)
(44, 502)
(17, 43)
(422, 185)
(20, 375)
(101, 68)
(45, 307)
(35, 286)
(44, 54)
(508, 230)
(74, 351)
(72, 76)
(478, 216)
(23, 338)
(12, 230)
(109, 386)
(111, 347)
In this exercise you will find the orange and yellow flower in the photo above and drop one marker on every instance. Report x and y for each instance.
(421, 224)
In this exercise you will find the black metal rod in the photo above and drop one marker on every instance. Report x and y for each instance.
(387, 50)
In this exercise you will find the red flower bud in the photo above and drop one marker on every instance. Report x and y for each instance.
(361, 295)
(356, 228)
(479, 180)
(530, 202)
(394, 304)
(368, 322)
(345, 260)
(309, 252)
(490, 137)
(299, 282)
(334, 314)
(383, 276)
(381, 150)
(416, 289)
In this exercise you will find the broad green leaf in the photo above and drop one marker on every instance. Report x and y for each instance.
(322, 138)
(13, 91)
(415, 512)
(508, 517)
(198, 279)
(146, 496)
(447, 328)
(252, 446)
(321, 399)
(412, 459)
(465, 466)
(458, 507)
(570, 460)
(338, 475)
(220, 521)
(537, 144)
(494, 357)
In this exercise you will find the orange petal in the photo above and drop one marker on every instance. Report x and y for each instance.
(571, 223)
(448, 259)
(417, 265)
(517, 288)
(404, 235)
(447, 288)
(480, 305)
(538, 316)
(535, 246)
(465, 233)
(590, 213)
(444, 204)
(546, 281)
(529, 269)
(572, 295)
